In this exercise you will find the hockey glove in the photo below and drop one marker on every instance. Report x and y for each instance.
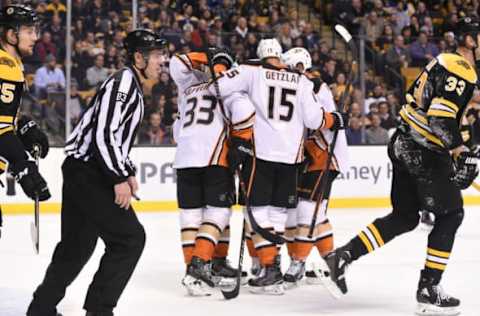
(466, 170)
(31, 136)
(238, 152)
(221, 56)
(26, 173)
(340, 120)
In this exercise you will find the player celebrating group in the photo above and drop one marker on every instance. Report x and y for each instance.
(430, 167)
(208, 135)
(285, 104)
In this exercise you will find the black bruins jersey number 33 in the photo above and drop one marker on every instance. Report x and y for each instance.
(437, 100)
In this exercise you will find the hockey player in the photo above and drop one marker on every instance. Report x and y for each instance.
(316, 150)
(18, 34)
(430, 168)
(209, 134)
(98, 184)
(285, 104)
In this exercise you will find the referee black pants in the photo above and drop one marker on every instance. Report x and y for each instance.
(89, 212)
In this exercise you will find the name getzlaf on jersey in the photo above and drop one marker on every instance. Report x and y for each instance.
(285, 104)
(203, 127)
(437, 100)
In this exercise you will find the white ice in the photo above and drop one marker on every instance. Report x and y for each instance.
(382, 283)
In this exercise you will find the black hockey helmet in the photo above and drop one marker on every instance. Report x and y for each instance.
(467, 26)
(142, 41)
(15, 15)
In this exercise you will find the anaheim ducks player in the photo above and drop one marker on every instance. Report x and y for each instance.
(207, 135)
(285, 104)
(18, 34)
(316, 150)
(430, 168)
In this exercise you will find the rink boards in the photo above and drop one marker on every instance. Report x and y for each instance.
(366, 184)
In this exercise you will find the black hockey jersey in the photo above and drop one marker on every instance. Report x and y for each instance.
(437, 100)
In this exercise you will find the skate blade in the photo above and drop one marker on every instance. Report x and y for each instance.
(225, 284)
(323, 278)
(196, 287)
(275, 289)
(432, 310)
(313, 281)
(290, 285)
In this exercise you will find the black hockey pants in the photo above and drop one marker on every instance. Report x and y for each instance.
(89, 212)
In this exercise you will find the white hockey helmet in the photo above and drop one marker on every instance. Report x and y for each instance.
(297, 55)
(269, 47)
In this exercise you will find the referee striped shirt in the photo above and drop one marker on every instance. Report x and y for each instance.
(107, 129)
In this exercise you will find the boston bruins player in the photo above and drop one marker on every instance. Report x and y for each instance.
(430, 168)
(208, 134)
(18, 34)
(316, 149)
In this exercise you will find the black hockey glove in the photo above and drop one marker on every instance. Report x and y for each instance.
(466, 170)
(31, 136)
(221, 56)
(340, 120)
(238, 152)
(26, 173)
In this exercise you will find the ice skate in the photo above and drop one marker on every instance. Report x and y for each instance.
(433, 301)
(337, 262)
(270, 281)
(198, 280)
(318, 274)
(294, 274)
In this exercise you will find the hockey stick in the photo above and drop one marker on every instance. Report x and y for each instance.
(347, 37)
(236, 290)
(35, 227)
(266, 234)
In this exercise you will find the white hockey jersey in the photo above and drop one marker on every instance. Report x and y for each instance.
(203, 126)
(321, 139)
(285, 104)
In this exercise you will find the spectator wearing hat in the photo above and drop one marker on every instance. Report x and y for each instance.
(97, 73)
(49, 78)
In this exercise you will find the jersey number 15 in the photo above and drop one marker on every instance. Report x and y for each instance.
(284, 102)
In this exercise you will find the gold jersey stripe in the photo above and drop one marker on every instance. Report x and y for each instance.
(377, 235)
(421, 130)
(6, 130)
(446, 102)
(433, 265)
(438, 253)
(365, 241)
(6, 119)
(3, 166)
(440, 113)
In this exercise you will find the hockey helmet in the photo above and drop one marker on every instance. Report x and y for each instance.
(16, 15)
(142, 41)
(297, 55)
(269, 47)
(467, 26)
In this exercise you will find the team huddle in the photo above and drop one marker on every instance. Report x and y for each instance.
(272, 126)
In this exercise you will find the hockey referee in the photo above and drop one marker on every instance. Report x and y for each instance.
(99, 182)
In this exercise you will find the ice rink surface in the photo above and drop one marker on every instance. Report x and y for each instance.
(382, 283)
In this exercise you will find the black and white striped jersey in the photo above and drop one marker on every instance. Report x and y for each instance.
(108, 127)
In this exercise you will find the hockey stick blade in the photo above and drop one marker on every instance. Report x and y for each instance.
(344, 33)
(228, 295)
(34, 235)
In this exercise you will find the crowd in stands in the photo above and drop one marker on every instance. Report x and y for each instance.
(398, 34)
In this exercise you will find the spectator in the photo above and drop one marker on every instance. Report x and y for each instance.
(57, 8)
(377, 96)
(309, 37)
(387, 121)
(285, 36)
(57, 31)
(242, 28)
(45, 47)
(422, 51)
(375, 134)
(354, 132)
(385, 41)
(373, 27)
(49, 78)
(402, 19)
(329, 72)
(397, 56)
(77, 104)
(155, 133)
(97, 73)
